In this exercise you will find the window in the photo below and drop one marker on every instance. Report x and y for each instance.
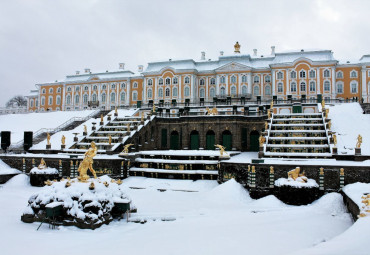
(51, 90)
(94, 98)
(293, 87)
(268, 78)
(303, 86)
(312, 86)
(85, 98)
(150, 93)
(256, 90)
(244, 78)
(233, 90)
(167, 92)
(68, 99)
(340, 88)
(280, 75)
(201, 82)
(86, 88)
(31, 103)
(77, 88)
(256, 79)
(113, 86)
(112, 97)
(327, 86)
(69, 89)
(103, 98)
(354, 87)
(340, 75)
(134, 96)
(212, 92)
(95, 87)
(244, 90)
(104, 86)
(353, 74)
(150, 82)
(187, 80)
(123, 97)
(268, 90)
(293, 74)
(59, 90)
(213, 81)
(37, 103)
(233, 79)
(50, 101)
(174, 92)
(168, 81)
(123, 85)
(201, 93)
(77, 99)
(187, 91)
(280, 87)
(302, 74)
(326, 73)
(312, 74)
(160, 81)
(43, 91)
(58, 100)
(327, 99)
(223, 91)
(175, 80)
(135, 85)
(222, 79)
(160, 92)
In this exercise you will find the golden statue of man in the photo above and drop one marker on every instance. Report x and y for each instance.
(323, 104)
(222, 149)
(359, 141)
(128, 127)
(214, 111)
(266, 125)
(42, 164)
(272, 105)
(153, 108)
(85, 129)
(237, 47)
(63, 140)
(110, 140)
(101, 118)
(262, 140)
(142, 116)
(115, 110)
(335, 140)
(269, 113)
(126, 148)
(48, 139)
(87, 163)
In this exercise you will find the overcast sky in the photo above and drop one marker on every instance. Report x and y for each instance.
(44, 40)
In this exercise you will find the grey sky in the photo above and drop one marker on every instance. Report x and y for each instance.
(44, 40)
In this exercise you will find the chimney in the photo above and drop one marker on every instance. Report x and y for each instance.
(203, 57)
(87, 70)
(272, 50)
(254, 52)
(221, 53)
(77, 72)
(122, 66)
(140, 68)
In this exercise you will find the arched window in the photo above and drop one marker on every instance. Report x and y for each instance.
(326, 73)
(123, 85)
(134, 96)
(244, 78)
(233, 90)
(280, 75)
(339, 88)
(168, 81)
(303, 86)
(312, 74)
(43, 91)
(354, 87)
(69, 89)
(68, 99)
(327, 86)
(268, 78)
(201, 82)
(244, 90)
(174, 92)
(293, 74)
(103, 98)
(256, 90)
(268, 90)
(36, 103)
(160, 92)
(31, 103)
(86, 88)
(135, 85)
(302, 74)
(222, 79)
(212, 92)
(175, 80)
(222, 91)
(95, 87)
(280, 87)
(256, 79)
(201, 93)
(293, 87)
(187, 91)
(150, 82)
(77, 88)
(51, 90)
(312, 86)
(50, 101)
(160, 81)
(213, 81)
(123, 97)
(104, 86)
(85, 99)
(340, 75)
(150, 93)
(233, 79)
(59, 90)
(112, 97)
(58, 100)
(353, 74)
(187, 80)
(113, 86)
(94, 98)
(77, 99)
(167, 92)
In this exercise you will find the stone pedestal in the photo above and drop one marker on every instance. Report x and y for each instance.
(75, 139)
(357, 151)
(109, 118)
(63, 146)
(115, 114)
(148, 117)
(335, 150)
(48, 146)
(93, 128)
(260, 152)
(128, 133)
(101, 123)
(141, 122)
(84, 133)
(120, 139)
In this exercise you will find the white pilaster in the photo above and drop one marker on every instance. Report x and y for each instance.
(128, 94)
(179, 91)
(334, 85)
(250, 83)
(273, 82)
(363, 84)
(318, 85)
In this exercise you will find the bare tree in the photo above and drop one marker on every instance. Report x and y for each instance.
(17, 100)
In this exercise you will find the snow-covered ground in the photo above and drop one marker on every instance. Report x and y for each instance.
(5, 169)
(18, 123)
(348, 122)
(212, 219)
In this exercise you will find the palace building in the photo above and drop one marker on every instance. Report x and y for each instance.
(303, 74)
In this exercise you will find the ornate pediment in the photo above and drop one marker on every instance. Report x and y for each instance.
(94, 78)
(233, 66)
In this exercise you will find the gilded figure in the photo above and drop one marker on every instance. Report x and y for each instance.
(63, 140)
(48, 139)
(359, 141)
(87, 163)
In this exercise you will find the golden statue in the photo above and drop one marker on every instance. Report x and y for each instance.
(295, 173)
(323, 104)
(209, 112)
(266, 125)
(359, 141)
(101, 118)
(142, 116)
(272, 105)
(128, 127)
(262, 140)
(237, 47)
(271, 169)
(335, 140)
(42, 164)
(126, 147)
(110, 140)
(63, 140)
(153, 110)
(269, 114)
(327, 112)
(115, 110)
(85, 129)
(214, 111)
(253, 169)
(87, 163)
(329, 124)
(321, 171)
(48, 139)
(222, 150)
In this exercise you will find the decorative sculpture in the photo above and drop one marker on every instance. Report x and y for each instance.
(271, 169)
(335, 140)
(269, 114)
(153, 110)
(323, 104)
(359, 141)
(85, 129)
(128, 127)
(42, 164)
(209, 112)
(272, 105)
(222, 150)
(329, 124)
(110, 140)
(266, 125)
(237, 47)
(327, 112)
(262, 140)
(87, 163)
(48, 139)
(214, 111)
(115, 110)
(142, 116)
(63, 140)
(126, 148)
(101, 118)
(295, 174)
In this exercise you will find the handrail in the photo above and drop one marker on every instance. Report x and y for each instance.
(58, 128)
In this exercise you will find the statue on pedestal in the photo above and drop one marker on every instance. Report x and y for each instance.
(101, 118)
(63, 140)
(237, 47)
(359, 141)
(85, 129)
(126, 148)
(42, 164)
(222, 150)
(87, 163)
(323, 104)
(142, 116)
(110, 140)
(262, 140)
(335, 140)
(297, 176)
(48, 139)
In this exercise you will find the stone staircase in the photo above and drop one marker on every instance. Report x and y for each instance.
(297, 135)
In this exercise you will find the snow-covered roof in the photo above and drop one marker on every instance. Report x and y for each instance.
(99, 76)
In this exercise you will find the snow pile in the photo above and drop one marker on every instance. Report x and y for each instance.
(348, 122)
(18, 181)
(230, 192)
(80, 202)
(298, 183)
(268, 202)
(331, 203)
(356, 190)
(47, 170)
(5, 169)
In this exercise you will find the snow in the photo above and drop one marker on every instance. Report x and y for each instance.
(5, 169)
(348, 122)
(356, 190)
(213, 219)
(311, 183)
(18, 123)
(47, 170)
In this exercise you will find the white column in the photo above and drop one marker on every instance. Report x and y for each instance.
(73, 97)
(179, 81)
(217, 85)
(239, 84)
(250, 83)
(227, 84)
(363, 84)
(262, 87)
(117, 94)
(273, 82)
(334, 86)
(144, 90)
(128, 89)
(206, 94)
(99, 98)
(318, 81)
(64, 98)
(193, 88)
(155, 90)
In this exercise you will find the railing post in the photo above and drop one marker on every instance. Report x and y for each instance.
(341, 178)
(321, 178)
(272, 177)
(24, 165)
(60, 168)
